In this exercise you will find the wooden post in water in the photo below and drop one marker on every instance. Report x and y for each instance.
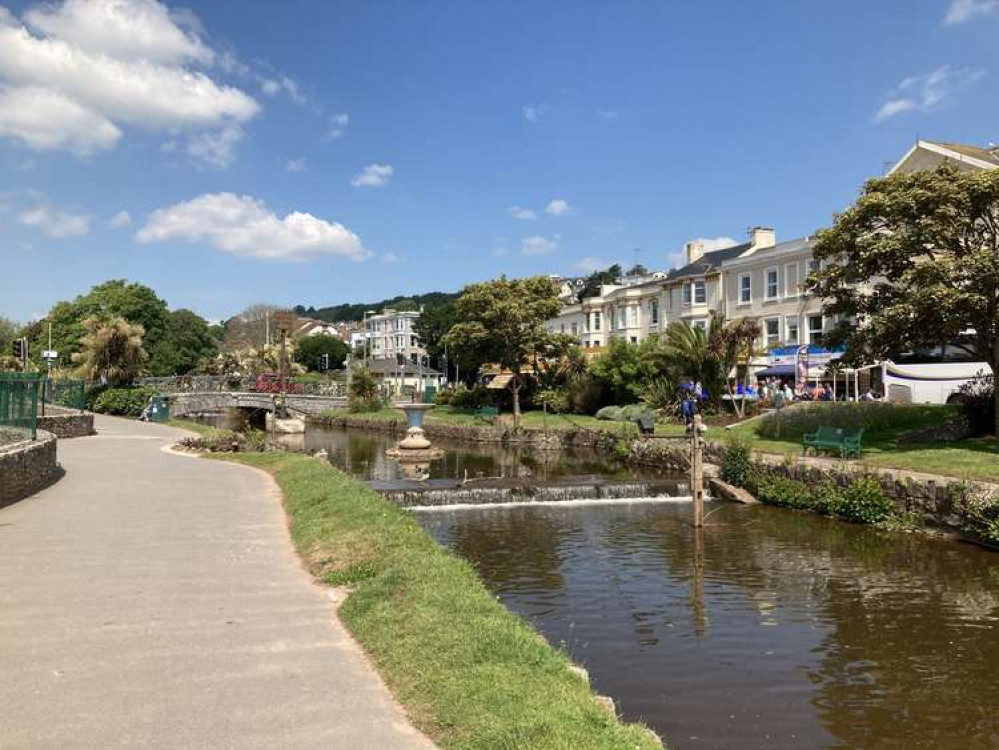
(697, 469)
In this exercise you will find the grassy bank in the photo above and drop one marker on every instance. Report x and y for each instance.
(884, 425)
(530, 420)
(469, 673)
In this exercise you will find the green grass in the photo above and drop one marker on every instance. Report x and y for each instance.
(469, 673)
(530, 420)
(187, 424)
(973, 459)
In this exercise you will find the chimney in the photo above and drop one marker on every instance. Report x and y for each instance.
(695, 250)
(761, 237)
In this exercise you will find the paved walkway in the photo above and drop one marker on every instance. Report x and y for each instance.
(154, 600)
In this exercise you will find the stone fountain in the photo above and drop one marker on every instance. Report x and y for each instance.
(414, 451)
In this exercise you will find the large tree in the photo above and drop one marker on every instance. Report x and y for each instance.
(915, 263)
(311, 349)
(503, 322)
(186, 342)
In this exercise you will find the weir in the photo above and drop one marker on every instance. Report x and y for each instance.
(439, 497)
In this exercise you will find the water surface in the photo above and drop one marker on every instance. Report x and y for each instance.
(770, 629)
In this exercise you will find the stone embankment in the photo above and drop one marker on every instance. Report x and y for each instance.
(27, 467)
(66, 423)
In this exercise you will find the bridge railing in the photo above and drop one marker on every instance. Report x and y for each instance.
(252, 384)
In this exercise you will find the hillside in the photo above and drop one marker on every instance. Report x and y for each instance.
(355, 311)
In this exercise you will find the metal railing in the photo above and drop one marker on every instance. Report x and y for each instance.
(19, 396)
(68, 393)
(245, 384)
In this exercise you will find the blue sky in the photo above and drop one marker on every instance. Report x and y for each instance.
(327, 152)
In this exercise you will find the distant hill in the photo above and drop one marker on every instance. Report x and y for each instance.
(356, 311)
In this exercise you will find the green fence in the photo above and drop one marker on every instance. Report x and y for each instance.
(19, 397)
(67, 392)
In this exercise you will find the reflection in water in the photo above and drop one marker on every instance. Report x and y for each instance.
(767, 629)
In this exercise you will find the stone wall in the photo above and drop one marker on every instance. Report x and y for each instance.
(26, 468)
(66, 423)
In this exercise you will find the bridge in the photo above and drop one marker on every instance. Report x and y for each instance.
(193, 402)
(202, 393)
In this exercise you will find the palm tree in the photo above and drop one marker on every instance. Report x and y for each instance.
(732, 344)
(689, 348)
(111, 351)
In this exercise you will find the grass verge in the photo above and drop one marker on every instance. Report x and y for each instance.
(470, 673)
(187, 424)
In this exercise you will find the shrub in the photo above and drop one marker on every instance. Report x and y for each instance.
(660, 396)
(631, 412)
(609, 414)
(865, 502)
(556, 400)
(363, 393)
(443, 397)
(91, 394)
(471, 398)
(827, 499)
(123, 402)
(979, 512)
(585, 393)
(784, 492)
(736, 462)
(976, 399)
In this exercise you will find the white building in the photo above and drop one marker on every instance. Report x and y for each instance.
(393, 332)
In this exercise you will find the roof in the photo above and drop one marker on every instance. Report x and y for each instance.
(990, 155)
(781, 248)
(388, 366)
(710, 261)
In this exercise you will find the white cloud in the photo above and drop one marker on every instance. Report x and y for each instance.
(960, 11)
(296, 165)
(55, 222)
(501, 251)
(391, 258)
(609, 114)
(46, 120)
(216, 148)
(243, 225)
(524, 214)
(533, 112)
(927, 92)
(93, 66)
(373, 175)
(538, 245)
(120, 220)
(557, 207)
(590, 263)
(338, 124)
(274, 86)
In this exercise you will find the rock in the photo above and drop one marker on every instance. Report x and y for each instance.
(731, 493)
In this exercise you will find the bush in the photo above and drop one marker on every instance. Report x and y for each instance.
(631, 412)
(784, 492)
(736, 463)
(471, 398)
(979, 512)
(363, 393)
(827, 499)
(91, 394)
(609, 414)
(871, 417)
(556, 400)
(124, 402)
(865, 502)
(978, 405)
(585, 393)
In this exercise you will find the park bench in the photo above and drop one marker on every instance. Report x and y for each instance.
(845, 440)
(487, 412)
(646, 425)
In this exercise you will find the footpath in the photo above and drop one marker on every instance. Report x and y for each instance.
(154, 600)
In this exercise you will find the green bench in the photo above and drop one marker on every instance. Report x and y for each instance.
(845, 440)
(487, 412)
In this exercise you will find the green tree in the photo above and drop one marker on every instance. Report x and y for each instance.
(591, 288)
(692, 354)
(118, 298)
(186, 342)
(8, 332)
(503, 322)
(733, 345)
(916, 262)
(619, 371)
(363, 395)
(312, 348)
(111, 351)
(433, 324)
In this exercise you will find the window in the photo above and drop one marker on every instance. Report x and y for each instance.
(561, 327)
(772, 284)
(791, 280)
(634, 339)
(575, 329)
(596, 321)
(620, 317)
(654, 312)
(702, 324)
(792, 330)
(686, 294)
(412, 341)
(772, 330)
(700, 292)
(745, 288)
(814, 329)
(632, 315)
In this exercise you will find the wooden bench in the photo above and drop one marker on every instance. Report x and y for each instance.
(845, 440)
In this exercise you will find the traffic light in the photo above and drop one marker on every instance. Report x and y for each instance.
(21, 349)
